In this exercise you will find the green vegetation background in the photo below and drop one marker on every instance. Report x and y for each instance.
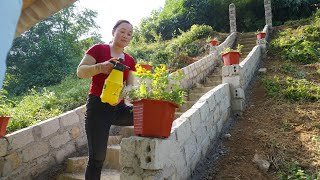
(41, 83)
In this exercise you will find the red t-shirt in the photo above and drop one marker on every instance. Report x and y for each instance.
(101, 52)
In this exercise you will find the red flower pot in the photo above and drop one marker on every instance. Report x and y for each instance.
(261, 35)
(146, 66)
(153, 118)
(213, 42)
(4, 120)
(230, 58)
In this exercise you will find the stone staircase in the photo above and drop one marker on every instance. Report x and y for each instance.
(75, 167)
(248, 40)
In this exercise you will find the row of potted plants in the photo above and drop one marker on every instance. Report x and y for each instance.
(259, 34)
(155, 98)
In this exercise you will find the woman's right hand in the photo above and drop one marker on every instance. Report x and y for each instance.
(106, 67)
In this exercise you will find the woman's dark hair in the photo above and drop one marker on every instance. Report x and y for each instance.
(118, 24)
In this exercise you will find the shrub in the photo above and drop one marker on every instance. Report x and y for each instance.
(301, 44)
(292, 89)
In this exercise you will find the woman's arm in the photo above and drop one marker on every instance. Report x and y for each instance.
(88, 67)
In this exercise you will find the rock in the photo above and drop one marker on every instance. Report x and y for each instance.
(227, 136)
(263, 70)
(262, 163)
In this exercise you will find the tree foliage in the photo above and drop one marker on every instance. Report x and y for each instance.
(179, 15)
(50, 51)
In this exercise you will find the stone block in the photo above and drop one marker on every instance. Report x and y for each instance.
(76, 164)
(81, 141)
(20, 138)
(113, 157)
(191, 148)
(238, 105)
(219, 126)
(204, 110)
(212, 132)
(3, 147)
(10, 163)
(48, 127)
(238, 93)
(59, 139)
(69, 118)
(81, 112)
(75, 132)
(216, 114)
(193, 116)
(200, 134)
(231, 70)
(211, 103)
(234, 81)
(184, 130)
(63, 153)
(34, 151)
(127, 152)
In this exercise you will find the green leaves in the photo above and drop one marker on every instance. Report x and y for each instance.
(50, 51)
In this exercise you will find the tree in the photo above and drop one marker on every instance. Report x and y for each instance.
(51, 50)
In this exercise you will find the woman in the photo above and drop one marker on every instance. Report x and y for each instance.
(100, 116)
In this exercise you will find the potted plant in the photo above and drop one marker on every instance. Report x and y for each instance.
(260, 34)
(4, 119)
(231, 56)
(155, 100)
(214, 42)
(145, 64)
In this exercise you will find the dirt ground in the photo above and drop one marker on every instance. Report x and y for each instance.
(270, 134)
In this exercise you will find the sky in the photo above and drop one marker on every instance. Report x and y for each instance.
(109, 12)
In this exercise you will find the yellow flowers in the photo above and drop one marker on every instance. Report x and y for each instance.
(158, 84)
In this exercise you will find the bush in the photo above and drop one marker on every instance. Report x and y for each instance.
(292, 89)
(301, 44)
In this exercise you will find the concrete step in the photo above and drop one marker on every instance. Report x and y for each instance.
(246, 49)
(127, 131)
(201, 90)
(250, 35)
(248, 41)
(214, 77)
(195, 96)
(78, 164)
(113, 157)
(186, 106)
(106, 174)
(212, 84)
(114, 140)
(177, 115)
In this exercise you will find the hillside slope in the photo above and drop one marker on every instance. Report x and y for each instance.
(273, 139)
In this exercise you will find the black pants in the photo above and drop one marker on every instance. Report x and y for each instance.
(99, 117)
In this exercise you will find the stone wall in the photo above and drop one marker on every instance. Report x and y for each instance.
(176, 157)
(191, 135)
(29, 152)
(196, 72)
(26, 153)
(240, 75)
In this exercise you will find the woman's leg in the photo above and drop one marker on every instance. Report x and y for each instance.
(123, 115)
(97, 126)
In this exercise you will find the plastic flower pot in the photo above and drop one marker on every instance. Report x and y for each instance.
(146, 66)
(213, 42)
(4, 120)
(230, 58)
(153, 118)
(261, 35)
